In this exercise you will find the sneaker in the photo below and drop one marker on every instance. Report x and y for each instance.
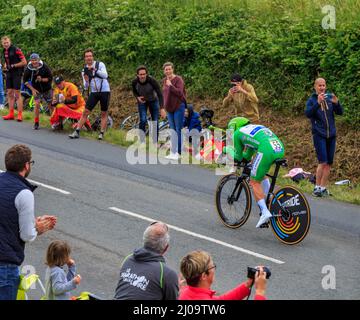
(20, 118)
(101, 136)
(10, 116)
(325, 193)
(2, 106)
(74, 135)
(173, 156)
(265, 217)
(317, 192)
(55, 126)
(198, 156)
(36, 126)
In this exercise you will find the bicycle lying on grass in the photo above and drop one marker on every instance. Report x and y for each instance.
(290, 210)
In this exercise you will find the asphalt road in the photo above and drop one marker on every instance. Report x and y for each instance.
(97, 177)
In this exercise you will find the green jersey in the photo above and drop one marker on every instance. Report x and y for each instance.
(251, 139)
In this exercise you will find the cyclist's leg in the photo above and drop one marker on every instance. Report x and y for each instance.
(261, 165)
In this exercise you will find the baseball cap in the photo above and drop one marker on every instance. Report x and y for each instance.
(58, 79)
(34, 56)
(236, 77)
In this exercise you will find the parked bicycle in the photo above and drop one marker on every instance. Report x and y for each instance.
(290, 210)
(132, 122)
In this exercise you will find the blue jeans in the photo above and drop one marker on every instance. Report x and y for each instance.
(176, 122)
(154, 112)
(2, 97)
(9, 281)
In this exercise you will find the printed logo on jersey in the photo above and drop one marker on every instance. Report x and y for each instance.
(268, 132)
(276, 145)
(251, 129)
(256, 162)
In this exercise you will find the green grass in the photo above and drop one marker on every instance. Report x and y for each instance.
(118, 137)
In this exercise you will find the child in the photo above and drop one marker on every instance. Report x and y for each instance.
(192, 122)
(58, 283)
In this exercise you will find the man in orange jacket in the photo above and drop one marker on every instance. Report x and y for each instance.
(67, 102)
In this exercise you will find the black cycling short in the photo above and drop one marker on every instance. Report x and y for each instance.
(13, 80)
(95, 97)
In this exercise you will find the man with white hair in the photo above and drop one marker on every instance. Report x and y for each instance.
(144, 274)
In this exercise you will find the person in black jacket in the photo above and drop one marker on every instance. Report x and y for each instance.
(321, 108)
(144, 274)
(148, 95)
(14, 63)
(38, 78)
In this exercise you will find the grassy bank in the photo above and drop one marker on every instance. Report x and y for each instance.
(279, 46)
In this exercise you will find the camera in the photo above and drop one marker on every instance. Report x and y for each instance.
(252, 271)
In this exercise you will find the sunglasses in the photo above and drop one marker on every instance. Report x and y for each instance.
(31, 162)
(213, 267)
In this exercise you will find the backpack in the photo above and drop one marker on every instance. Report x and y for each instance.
(90, 75)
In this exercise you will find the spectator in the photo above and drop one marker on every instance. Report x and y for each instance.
(2, 96)
(192, 123)
(242, 95)
(67, 102)
(95, 79)
(14, 67)
(174, 103)
(38, 78)
(18, 224)
(198, 269)
(321, 108)
(148, 95)
(58, 283)
(144, 274)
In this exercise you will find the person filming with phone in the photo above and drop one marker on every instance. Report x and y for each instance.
(243, 97)
(321, 108)
(198, 269)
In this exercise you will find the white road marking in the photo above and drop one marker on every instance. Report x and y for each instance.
(197, 235)
(47, 186)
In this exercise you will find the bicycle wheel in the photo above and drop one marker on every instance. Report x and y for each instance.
(291, 215)
(130, 122)
(233, 201)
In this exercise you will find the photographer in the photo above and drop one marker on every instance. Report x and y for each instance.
(321, 108)
(198, 269)
(38, 78)
(95, 80)
(242, 95)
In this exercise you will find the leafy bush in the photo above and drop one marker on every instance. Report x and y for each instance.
(280, 47)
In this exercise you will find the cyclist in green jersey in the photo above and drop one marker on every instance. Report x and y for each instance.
(263, 147)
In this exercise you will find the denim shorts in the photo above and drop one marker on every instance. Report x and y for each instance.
(9, 281)
(325, 148)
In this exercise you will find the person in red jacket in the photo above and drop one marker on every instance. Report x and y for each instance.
(198, 269)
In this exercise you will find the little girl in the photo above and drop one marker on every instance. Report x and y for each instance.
(58, 283)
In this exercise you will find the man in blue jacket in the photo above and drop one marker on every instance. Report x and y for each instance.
(321, 108)
(18, 224)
